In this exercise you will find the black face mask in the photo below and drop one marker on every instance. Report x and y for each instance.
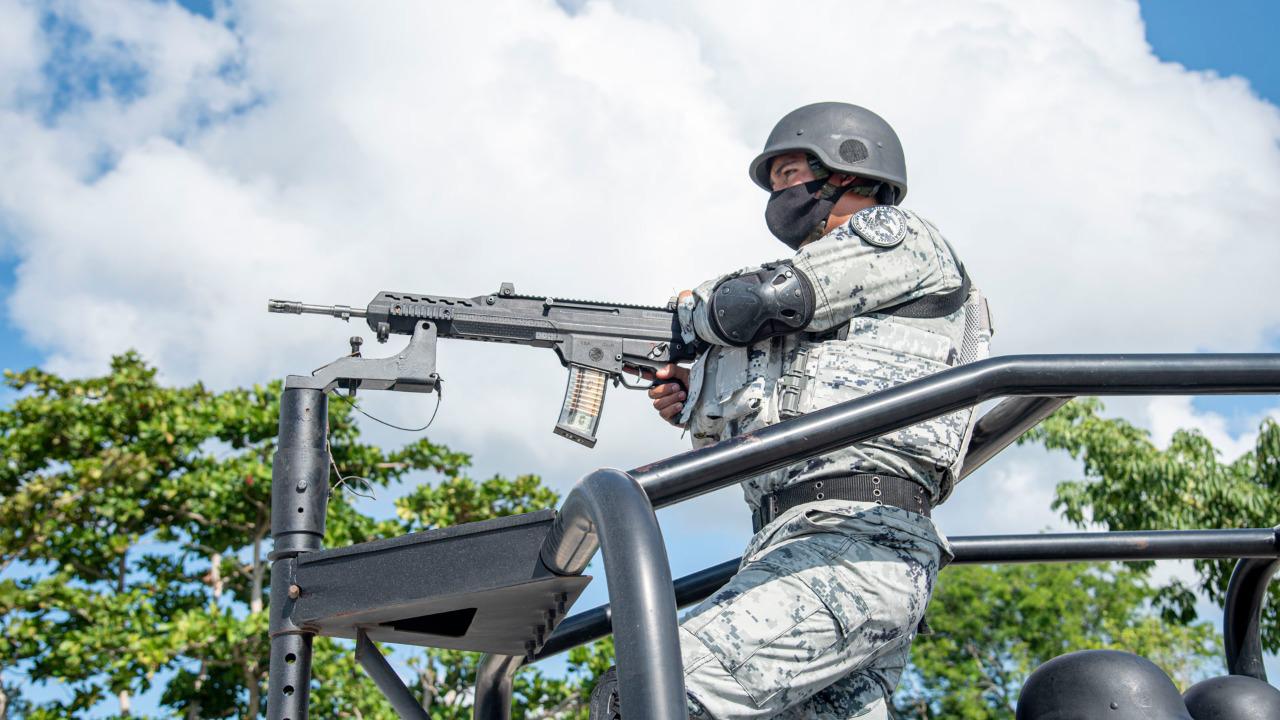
(795, 214)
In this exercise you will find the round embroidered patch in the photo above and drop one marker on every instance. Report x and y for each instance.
(881, 225)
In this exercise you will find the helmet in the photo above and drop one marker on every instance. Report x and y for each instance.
(1098, 685)
(1232, 697)
(844, 138)
(604, 703)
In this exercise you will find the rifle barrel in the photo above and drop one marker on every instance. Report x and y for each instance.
(294, 307)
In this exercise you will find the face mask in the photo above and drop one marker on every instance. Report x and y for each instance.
(795, 214)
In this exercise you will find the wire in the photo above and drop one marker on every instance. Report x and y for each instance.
(343, 480)
(357, 408)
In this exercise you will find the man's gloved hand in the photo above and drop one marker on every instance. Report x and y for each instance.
(671, 388)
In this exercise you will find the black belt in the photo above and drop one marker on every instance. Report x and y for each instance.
(863, 487)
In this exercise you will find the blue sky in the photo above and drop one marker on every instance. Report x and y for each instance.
(1230, 38)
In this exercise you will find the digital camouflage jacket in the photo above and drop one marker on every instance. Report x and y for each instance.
(882, 257)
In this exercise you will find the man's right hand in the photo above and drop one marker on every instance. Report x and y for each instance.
(669, 391)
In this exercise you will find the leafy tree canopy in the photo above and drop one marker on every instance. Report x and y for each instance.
(993, 625)
(132, 525)
(133, 518)
(1130, 484)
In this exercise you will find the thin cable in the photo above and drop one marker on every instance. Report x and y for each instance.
(343, 480)
(439, 396)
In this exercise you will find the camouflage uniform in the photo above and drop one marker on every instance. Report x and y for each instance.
(819, 619)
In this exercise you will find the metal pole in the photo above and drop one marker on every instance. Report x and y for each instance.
(392, 687)
(594, 624)
(1243, 601)
(299, 495)
(608, 508)
(494, 680)
(693, 473)
(1003, 425)
(994, 431)
(1115, 546)
(1242, 616)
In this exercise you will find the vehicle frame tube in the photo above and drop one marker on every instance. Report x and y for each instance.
(299, 498)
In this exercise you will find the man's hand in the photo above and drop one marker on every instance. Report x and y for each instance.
(669, 396)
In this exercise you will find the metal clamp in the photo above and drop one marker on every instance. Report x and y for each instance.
(413, 369)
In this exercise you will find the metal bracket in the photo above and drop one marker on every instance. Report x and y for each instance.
(413, 369)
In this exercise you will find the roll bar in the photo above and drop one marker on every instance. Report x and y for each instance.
(614, 510)
(1042, 383)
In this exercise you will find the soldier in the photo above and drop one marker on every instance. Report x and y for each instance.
(818, 621)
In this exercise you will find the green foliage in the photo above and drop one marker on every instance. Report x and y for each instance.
(1130, 484)
(133, 518)
(993, 625)
(996, 624)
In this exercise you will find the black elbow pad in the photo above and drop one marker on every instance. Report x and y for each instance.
(774, 300)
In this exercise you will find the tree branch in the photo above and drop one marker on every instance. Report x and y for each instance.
(990, 683)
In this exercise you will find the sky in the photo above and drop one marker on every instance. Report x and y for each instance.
(1108, 171)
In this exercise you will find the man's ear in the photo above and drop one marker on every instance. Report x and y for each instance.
(840, 179)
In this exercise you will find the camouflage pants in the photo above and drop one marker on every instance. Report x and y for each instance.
(818, 621)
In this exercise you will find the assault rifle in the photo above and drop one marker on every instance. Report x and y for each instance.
(595, 341)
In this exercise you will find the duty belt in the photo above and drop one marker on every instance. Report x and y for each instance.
(863, 487)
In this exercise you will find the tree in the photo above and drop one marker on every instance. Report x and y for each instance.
(997, 623)
(1130, 484)
(132, 523)
(133, 516)
(993, 625)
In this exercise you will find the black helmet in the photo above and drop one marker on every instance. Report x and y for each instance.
(1232, 697)
(843, 138)
(1100, 685)
(604, 703)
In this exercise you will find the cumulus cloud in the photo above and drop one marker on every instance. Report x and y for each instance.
(20, 51)
(1167, 415)
(169, 173)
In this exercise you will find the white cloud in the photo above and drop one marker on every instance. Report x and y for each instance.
(20, 51)
(1167, 415)
(1105, 200)
(1011, 494)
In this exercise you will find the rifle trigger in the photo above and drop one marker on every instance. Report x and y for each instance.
(619, 379)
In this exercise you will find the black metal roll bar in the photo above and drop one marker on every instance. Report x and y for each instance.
(1050, 379)
(1242, 615)
(312, 591)
(1258, 549)
(696, 472)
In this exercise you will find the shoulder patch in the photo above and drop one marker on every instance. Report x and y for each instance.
(881, 225)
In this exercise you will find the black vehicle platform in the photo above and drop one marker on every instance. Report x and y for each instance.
(479, 586)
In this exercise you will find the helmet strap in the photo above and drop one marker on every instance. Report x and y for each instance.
(884, 193)
(832, 193)
(888, 195)
(820, 171)
(865, 189)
